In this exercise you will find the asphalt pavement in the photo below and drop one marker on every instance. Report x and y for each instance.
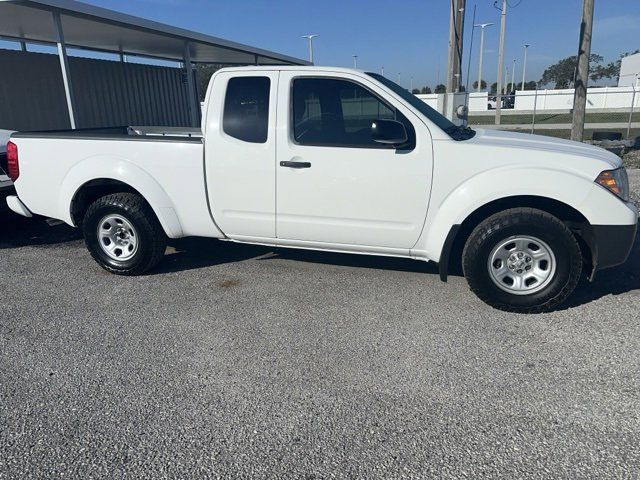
(236, 361)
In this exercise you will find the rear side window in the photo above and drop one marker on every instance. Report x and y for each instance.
(246, 109)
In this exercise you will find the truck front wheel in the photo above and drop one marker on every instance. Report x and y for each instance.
(123, 234)
(522, 260)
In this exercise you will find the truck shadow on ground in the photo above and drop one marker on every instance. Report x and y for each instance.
(195, 253)
(614, 281)
(192, 253)
(199, 253)
(17, 231)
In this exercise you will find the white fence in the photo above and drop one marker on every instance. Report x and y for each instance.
(431, 99)
(597, 97)
(605, 97)
(478, 101)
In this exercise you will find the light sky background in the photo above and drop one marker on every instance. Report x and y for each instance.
(405, 36)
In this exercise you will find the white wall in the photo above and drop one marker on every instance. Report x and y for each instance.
(605, 97)
(430, 99)
(597, 97)
(630, 71)
(477, 101)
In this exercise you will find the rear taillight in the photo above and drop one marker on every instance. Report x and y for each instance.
(13, 168)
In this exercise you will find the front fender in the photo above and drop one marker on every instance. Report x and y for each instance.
(596, 204)
(117, 168)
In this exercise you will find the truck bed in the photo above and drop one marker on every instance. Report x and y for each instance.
(164, 164)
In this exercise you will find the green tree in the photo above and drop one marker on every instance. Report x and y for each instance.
(415, 91)
(612, 69)
(562, 73)
(494, 87)
(441, 88)
(483, 85)
(425, 90)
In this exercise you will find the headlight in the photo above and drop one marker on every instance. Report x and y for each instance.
(616, 181)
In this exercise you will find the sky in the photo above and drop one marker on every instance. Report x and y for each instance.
(406, 37)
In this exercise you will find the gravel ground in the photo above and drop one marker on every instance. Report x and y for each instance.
(631, 158)
(634, 185)
(246, 362)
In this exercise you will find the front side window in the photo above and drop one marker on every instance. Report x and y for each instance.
(246, 109)
(332, 112)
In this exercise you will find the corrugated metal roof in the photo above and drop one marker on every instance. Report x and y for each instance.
(95, 28)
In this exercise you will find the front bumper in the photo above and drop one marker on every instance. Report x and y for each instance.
(611, 245)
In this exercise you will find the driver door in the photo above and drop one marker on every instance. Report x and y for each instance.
(334, 184)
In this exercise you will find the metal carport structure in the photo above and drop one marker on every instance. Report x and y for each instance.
(73, 24)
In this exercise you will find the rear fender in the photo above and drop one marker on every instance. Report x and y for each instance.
(117, 168)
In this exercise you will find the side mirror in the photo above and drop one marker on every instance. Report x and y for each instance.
(389, 132)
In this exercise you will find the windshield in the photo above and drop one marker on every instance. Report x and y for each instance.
(440, 120)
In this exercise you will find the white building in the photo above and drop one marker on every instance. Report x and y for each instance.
(630, 71)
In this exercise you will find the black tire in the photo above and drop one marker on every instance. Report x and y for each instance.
(527, 222)
(151, 240)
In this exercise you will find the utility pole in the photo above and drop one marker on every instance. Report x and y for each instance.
(355, 61)
(524, 65)
(482, 27)
(411, 83)
(310, 38)
(456, 30)
(503, 25)
(582, 71)
(513, 77)
(398, 79)
(382, 71)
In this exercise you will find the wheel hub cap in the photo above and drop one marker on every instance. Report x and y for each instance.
(117, 237)
(521, 265)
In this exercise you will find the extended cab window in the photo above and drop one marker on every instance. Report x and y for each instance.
(246, 109)
(332, 112)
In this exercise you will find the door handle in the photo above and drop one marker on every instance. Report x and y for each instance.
(296, 164)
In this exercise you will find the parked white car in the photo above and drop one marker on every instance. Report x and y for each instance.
(5, 181)
(339, 160)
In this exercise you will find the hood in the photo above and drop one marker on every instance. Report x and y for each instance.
(501, 138)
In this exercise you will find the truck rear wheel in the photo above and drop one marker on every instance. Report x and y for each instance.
(522, 260)
(123, 234)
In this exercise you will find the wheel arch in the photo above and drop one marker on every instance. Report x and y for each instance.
(91, 191)
(103, 176)
(457, 236)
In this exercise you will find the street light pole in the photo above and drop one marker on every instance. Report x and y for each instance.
(503, 26)
(482, 27)
(513, 76)
(398, 78)
(506, 80)
(382, 71)
(310, 38)
(524, 65)
(355, 61)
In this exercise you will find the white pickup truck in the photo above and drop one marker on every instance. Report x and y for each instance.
(339, 160)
